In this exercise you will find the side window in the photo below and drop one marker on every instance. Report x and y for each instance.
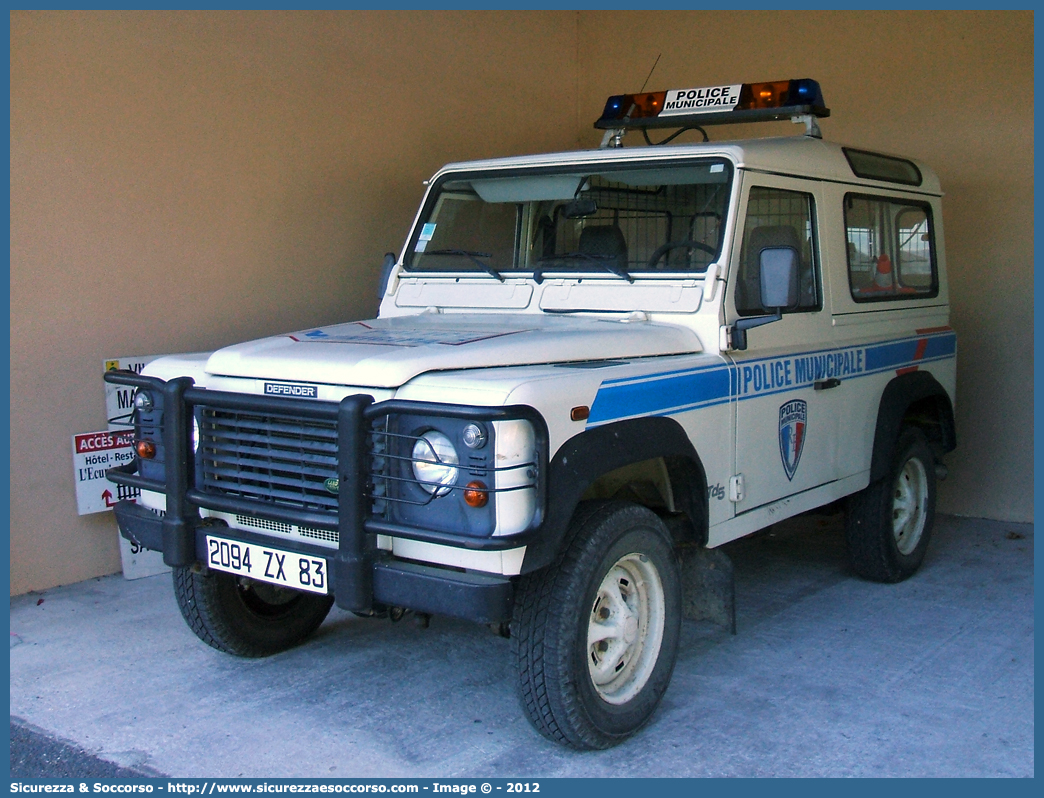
(890, 249)
(777, 218)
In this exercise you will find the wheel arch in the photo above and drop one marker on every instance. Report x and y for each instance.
(596, 453)
(916, 399)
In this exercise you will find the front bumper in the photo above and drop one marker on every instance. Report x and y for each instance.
(361, 577)
(396, 583)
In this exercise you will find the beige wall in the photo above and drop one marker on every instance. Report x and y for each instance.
(180, 181)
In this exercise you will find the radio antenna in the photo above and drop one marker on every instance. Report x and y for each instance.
(614, 137)
(650, 73)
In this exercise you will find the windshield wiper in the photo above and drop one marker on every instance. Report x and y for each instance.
(605, 261)
(473, 256)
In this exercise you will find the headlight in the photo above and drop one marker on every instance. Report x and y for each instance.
(195, 434)
(434, 462)
(143, 400)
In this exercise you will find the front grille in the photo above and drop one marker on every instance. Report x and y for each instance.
(267, 525)
(319, 534)
(268, 457)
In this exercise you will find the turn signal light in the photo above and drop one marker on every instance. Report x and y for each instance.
(476, 494)
(146, 449)
(764, 95)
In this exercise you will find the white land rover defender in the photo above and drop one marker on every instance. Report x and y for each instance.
(582, 362)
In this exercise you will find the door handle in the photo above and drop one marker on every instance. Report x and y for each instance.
(822, 385)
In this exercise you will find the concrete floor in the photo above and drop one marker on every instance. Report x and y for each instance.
(829, 675)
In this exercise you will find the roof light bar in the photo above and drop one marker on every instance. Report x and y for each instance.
(714, 105)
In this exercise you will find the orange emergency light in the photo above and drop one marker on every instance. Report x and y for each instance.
(714, 105)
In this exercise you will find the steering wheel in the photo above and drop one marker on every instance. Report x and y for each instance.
(663, 249)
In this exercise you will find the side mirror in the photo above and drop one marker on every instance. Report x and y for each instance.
(779, 277)
(779, 291)
(386, 270)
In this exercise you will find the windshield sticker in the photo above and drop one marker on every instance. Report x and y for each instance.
(717, 167)
(375, 337)
(710, 99)
(428, 231)
(421, 246)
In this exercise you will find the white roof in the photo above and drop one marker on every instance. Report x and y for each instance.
(797, 155)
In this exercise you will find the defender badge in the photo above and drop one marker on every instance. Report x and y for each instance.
(792, 419)
(291, 389)
(332, 484)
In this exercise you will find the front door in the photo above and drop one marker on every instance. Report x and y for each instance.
(786, 422)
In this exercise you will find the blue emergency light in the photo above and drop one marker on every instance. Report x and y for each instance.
(714, 105)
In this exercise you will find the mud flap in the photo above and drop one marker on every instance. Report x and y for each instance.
(708, 586)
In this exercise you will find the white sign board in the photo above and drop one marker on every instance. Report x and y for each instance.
(93, 454)
(118, 398)
(706, 100)
(138, 561)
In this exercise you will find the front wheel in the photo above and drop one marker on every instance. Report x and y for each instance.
(889, 523)
(595, 635)
(245, 617)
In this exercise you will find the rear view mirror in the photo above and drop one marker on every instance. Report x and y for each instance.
(579, 208)
(779, 278)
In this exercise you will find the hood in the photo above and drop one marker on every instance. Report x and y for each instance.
(386, 353)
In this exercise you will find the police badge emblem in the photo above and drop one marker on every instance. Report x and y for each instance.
(793, 416)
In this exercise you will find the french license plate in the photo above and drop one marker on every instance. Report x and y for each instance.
(267, 564)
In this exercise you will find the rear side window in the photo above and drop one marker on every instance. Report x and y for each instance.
(891, 252)
(874, 166)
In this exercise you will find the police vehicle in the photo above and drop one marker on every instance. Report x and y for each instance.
(582, 362)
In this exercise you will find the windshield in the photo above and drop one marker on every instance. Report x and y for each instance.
(622, 221)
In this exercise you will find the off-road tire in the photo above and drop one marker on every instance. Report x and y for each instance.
(247, 619)
(624, 549)
(880, 546)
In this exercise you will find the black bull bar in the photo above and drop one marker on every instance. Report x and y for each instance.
(360, 576)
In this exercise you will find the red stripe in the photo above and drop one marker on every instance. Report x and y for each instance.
(907, 370)
(929, 330)
(921, 346)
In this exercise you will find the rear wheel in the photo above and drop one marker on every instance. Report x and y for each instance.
(889, 523)
(244, 617)
(595, 635)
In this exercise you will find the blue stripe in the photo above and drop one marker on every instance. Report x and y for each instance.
(661, 374)
(901, 353)
(661, 392)
(890, 355)
(671, 392)
(941, 346)
(896, 366)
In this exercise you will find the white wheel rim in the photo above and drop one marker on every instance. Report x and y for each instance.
(909, 505)
(625, 628)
